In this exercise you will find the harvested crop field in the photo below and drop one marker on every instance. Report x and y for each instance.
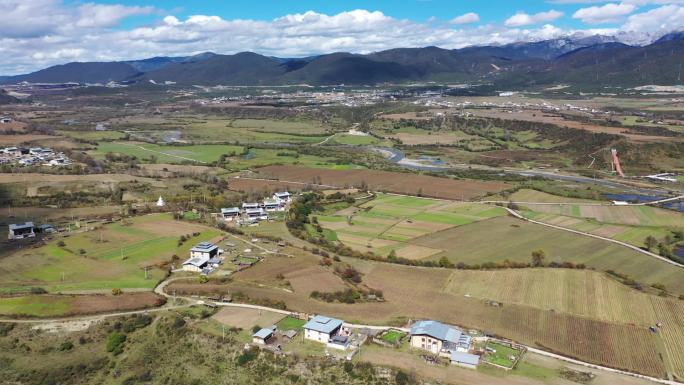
(247, 318)
(314, 278)
(261, 185)
(498, 239)
(400, 183)
(13, 140)
(544, 117)
(624, 215)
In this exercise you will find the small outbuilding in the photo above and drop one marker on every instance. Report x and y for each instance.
(21, 230)
(262, 336)
(196, 264)
(465, 360)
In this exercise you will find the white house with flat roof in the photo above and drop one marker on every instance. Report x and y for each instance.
(284, 197)
(230, 214)
(322, 329)
(273, 205)
(250, 205)
(21, 230)
(256, 214)
(204, 249)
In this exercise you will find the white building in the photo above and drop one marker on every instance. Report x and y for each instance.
(284, 197)
(204, 249)
(465, 360)
(256, 214)
(196, 264)
(322, 329)
(160, 202)
(230, 213)
(273, 205)
(21, 231)
(439, 338)
(249, 205)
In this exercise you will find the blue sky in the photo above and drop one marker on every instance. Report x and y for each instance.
(491, 11)
(40, 33)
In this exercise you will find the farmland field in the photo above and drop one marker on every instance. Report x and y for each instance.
(420, 293)
(390, 222)
(400, 183)
(254, 130)
(621, 215)
(64, 305)
(112, 256)
(501, 238)
(166, 153)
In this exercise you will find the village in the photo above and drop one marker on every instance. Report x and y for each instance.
(24, 156)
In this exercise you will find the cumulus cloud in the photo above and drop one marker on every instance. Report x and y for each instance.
(662, 19)
(609, 13)
(467, 18)
(635, 2)
(521, 19)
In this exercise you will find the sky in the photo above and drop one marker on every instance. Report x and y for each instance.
(35, 34)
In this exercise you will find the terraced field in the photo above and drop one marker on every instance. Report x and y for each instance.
(391, 222)
(501, 238)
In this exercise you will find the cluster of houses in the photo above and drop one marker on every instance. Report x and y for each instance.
(24, 156)
(431, 336)
(253, 212)
(27, 230)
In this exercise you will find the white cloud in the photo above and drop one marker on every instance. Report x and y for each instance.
(521, 19)
(39, 33)
(635, 2)
(467, 18)
(609, 13)
(667, 18)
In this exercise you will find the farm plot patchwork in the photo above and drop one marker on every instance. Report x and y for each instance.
(622, 215)
(64, 305)
(112, 256)
(505, 238)
(390, 222)
(254, 131)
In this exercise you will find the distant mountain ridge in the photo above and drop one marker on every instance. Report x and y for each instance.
(585, 61)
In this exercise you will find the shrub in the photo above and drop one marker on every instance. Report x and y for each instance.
(117, 291)
(66, 346)
(203, 279)
(115, 343)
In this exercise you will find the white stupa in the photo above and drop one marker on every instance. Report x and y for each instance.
(160, 202)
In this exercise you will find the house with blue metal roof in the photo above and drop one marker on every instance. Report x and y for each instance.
(230, 213)
(322, 329)
(204, 249)
(437, 337)
(262, 336)
(21, 230)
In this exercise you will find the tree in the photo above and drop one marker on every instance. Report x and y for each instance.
(445, 262)
(538, 257)
(117, 291)
(203, 279)
(392, 256)
(650, 242)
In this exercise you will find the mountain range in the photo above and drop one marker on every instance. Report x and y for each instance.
(594, 62)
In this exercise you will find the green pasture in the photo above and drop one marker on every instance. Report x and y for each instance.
(112, 256)
(35, 305)
(290, 323)
(166, 153)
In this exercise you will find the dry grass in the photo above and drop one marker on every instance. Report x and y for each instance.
(401, 183)
(247, 318)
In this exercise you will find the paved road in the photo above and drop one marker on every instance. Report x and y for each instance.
(637, 249)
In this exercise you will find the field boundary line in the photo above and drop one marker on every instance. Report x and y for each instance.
(650, 254)
(164, 153)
